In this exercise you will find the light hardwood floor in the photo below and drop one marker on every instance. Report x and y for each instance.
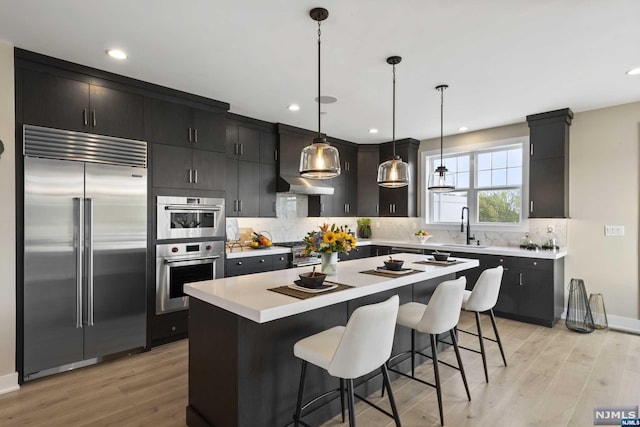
(555, 377)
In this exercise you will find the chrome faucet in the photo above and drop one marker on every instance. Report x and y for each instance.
(470, 237)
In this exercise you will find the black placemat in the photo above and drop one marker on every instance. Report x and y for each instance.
(391, 275)
(286, 290)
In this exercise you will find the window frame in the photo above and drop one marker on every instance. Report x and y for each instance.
(472, 192)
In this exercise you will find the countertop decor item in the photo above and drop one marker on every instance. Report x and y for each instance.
(441, 180)
(364, 228)
(579, 317)
(393, 264)
(328, 242)
(422, 236)
(393, 173)
(319, 160)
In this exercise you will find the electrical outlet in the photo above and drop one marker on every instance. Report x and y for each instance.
(614, 230)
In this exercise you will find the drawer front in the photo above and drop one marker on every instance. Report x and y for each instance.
(280, 262)
(536, 264)
(508, 263)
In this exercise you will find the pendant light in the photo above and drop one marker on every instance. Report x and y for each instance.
(441, 180)
(393, 173)
(319, 160)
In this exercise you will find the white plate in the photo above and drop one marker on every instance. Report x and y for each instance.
(398, 272)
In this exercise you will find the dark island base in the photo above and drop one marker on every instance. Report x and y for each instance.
(244, 374)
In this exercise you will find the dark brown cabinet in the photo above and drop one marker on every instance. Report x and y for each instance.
(532, 288)
(181, 125)
(178, 167)
(368, 189)
(256, 264)
(400, 202)
(357, 253)
(64, 103)
(251, 154)
(549, 164)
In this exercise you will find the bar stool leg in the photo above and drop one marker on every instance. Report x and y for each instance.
(495, 330)
(352, 414)
(303, 373)
(484, 355)
(413, 353)
(464, 377)
(342, 397)
(434, 354)
(387, 385)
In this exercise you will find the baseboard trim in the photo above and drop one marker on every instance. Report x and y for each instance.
(619, 323)
(9, 383)
(624, 324)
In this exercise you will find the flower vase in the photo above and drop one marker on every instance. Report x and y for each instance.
(329, 263)
(364, 231)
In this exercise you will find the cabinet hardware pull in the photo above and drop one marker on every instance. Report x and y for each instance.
(93, 118)
(241, 149)
(235, 148)
(261, 260)
(239, 263)
(235, 206)
(275, 155)
(84, 116)
(535, 263)
(195, 176)
(531, 150)
(520, 279)
(281, 258)
(531, 206)
(195, 135)
(189, 179)
(377, 208)
(345, 208)
(501, 260)
(189, 134)
(239, 205)
(505, 269)
(321, 207)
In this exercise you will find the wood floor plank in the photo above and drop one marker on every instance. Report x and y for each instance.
(555, 377)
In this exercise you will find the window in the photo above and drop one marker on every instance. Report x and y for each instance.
(488, 181)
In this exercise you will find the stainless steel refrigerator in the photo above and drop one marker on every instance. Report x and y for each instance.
(85, 239)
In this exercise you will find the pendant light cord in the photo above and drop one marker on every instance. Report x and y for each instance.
(393, 131)
(441, 121)
(319, 33)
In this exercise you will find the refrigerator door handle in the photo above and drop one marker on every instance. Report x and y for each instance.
(89, 220)
(79, 243)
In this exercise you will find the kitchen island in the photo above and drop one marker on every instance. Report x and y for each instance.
(242, 371)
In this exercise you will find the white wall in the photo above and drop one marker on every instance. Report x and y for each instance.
(604, 189)
(8, 375)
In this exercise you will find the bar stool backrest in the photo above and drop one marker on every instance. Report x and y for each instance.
(443, 311)
(367, 340)
(484, 295)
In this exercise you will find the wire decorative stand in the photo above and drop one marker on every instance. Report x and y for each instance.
(598, 311)
(579, 316)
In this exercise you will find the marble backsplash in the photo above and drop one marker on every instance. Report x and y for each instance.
(292, 224)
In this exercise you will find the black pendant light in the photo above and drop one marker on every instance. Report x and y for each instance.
(441, 180)
(319, 160)
(393, 173)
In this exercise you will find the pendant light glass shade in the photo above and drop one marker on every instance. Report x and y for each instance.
(393, 173)
(319, 160)
(441, 180)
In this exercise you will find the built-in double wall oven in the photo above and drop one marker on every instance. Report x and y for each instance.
(180, 257)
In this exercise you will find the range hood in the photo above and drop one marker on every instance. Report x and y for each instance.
(299, 185)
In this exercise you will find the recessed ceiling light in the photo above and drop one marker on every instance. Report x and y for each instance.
(463, 129)
(117, 54)
(293, 107)
(634, 72)
(372, 130)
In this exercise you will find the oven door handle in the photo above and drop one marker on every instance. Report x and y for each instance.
(215, 208)
(206, 258)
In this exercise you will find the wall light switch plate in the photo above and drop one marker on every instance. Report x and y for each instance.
(614, 230)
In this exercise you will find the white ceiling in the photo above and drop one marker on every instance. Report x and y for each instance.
(503, 59)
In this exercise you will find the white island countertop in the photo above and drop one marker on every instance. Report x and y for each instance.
(246, 251)
(248, 295)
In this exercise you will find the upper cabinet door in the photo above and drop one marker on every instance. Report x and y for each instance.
(55, 102)
(249, 144)
(116, 113)
(268, 147)
(208, 130)
(168, 123)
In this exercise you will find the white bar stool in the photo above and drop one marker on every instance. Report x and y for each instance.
(439, 316)
(483, 298)
(351, 351)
